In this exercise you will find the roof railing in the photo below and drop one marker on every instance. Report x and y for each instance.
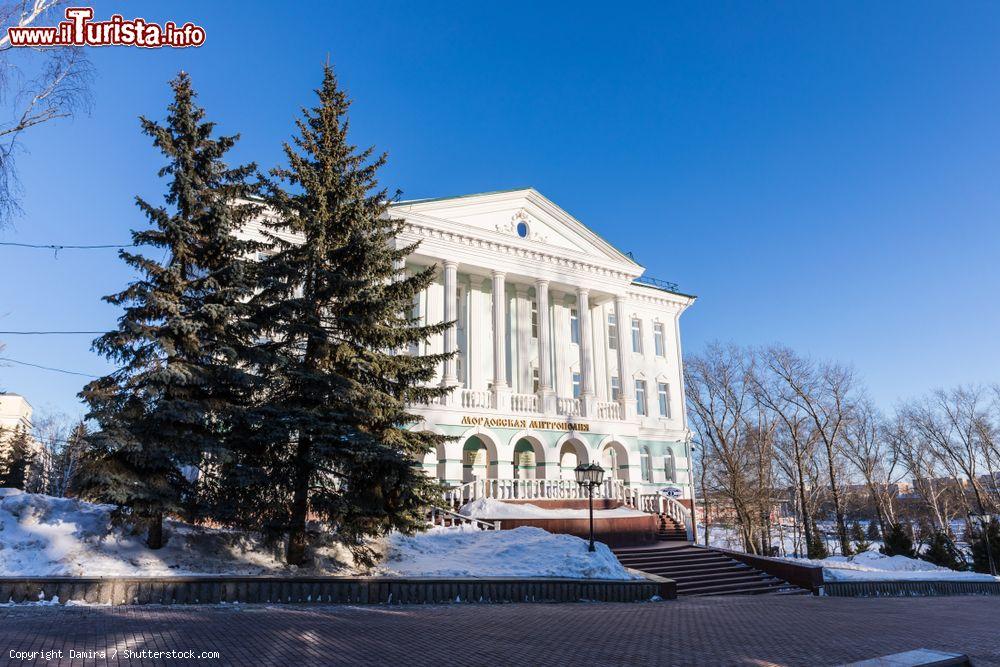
(656, 282)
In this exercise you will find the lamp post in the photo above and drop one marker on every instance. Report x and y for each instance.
(590, 476)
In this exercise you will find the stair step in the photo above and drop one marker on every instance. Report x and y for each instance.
(732, 589)
(734, 578)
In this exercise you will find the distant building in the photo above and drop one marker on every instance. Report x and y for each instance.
(15, 413)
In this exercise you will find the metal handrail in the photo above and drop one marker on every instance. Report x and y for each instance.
(656, 282)
(446, 518)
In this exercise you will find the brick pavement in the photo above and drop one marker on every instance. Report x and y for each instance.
(707, 631)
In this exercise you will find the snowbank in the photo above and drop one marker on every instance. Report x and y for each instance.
(521, 552)
(45, 536)
(488, 508)
(875, 566)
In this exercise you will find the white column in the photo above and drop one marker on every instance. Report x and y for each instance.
(450, 376)
(586, 352)
(521, 356)
(501, 393)
(627, 396)
(546, 398)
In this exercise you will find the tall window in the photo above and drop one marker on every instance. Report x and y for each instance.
(616, 388)
(612, 332)
(640, 397)
(658, 341)
(636, 335)
(576, 385)
(534, 380)
(669, 468)
(574, 326)
(663, 393)
(534, 319)
(646, 464)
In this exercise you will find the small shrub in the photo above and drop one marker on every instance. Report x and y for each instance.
(898, 542)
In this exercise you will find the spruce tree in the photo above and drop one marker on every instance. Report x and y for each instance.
(941, 551)
(178, 343)
(861, 543)
(17, 461)
(817, 545)
(898, 542)
(985, 543)
(331, 441)
(873, 534)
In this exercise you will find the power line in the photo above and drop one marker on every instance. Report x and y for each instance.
(47, 333)
(48, 368)
(58, 247)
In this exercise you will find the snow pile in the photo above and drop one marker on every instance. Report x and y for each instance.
(488, 508)
(45, 536)
(875, 566)
(521, 552)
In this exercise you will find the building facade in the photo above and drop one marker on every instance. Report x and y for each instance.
(564, 354)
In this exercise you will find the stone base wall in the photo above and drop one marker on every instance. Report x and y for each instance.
(347, 590)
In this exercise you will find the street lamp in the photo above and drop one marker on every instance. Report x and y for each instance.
(590, 477)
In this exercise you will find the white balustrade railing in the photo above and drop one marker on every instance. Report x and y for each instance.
(657, 503)
(477, 399)
(529, 489)
(609, 411)
(524, 402)
(568, 406)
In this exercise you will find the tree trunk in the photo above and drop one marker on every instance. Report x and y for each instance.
(802, 500)
(295, 554)
(154, 531)
(838, 510)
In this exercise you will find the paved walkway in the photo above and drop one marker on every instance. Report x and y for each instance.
(708, 631)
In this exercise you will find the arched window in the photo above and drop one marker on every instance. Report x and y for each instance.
(647, 465)
(669, 469)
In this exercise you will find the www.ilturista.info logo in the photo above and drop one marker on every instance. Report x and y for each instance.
(79, 30)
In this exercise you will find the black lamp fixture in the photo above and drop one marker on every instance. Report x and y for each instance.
(590, 476)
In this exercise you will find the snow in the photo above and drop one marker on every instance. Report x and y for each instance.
(45, 536)
(875, 566)
(521, 552)
(488, 508)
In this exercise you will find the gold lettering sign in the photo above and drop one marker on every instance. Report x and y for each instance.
(514, 422)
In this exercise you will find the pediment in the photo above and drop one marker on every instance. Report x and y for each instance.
(525, 216)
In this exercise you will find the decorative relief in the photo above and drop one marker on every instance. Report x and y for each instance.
(511, 227)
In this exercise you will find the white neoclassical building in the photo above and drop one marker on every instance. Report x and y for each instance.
(566, 354)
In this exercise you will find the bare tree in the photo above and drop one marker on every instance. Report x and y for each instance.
(37, 85)
(824, 393)
(952, 424)
(866, 446)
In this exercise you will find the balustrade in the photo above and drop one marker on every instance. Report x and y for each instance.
(524, 402)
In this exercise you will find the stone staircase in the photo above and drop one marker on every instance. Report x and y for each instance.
(700, 571)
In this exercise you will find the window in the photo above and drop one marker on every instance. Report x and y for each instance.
(658, 341)
(616, 388)
(522, 229)
(534, 319)
(640, 397)
(669, 469)
(534, 380)
(576, 385)
(574, 326)
(636, 335)
(646, 465)
(612, 332)
(663, 393)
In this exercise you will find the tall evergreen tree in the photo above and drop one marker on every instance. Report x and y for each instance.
(898, 541)
(985, 543)
(17, 460)
(335, 305)
(941, 551)
(179, 342)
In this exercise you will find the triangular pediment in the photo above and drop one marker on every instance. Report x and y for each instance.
(526, 216)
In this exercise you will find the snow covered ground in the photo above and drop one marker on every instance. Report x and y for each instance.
(45, 536)
(488, 508)
(521, 552)
(874, 566)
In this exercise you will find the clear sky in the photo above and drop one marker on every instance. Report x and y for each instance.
(822, 174)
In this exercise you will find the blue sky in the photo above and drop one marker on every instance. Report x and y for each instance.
(820, 174)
